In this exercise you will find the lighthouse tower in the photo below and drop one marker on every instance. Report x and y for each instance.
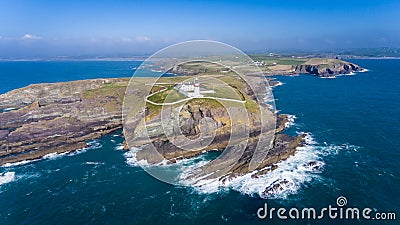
(196, 87)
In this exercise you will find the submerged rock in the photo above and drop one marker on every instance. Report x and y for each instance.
(313, 165)
(276, 187)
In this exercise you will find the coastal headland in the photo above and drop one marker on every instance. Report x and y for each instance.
(61, 117)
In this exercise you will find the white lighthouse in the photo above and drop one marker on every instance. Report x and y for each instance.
(190, 89)
(196, 87)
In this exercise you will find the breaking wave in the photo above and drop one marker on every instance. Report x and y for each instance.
(93, 144)
(130, 157)
(7, 177)
(290, 122)
(288, 178)
(20, 163)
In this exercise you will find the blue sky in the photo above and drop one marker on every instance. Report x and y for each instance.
(54, 28)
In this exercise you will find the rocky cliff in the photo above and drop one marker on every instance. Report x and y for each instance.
(58, 117)
(62, 117)
(326, 68)
(322, 67)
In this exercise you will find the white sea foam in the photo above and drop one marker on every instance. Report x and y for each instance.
(94, 163)
(290, 122)
(268, 99)
(20, 163)
(277, 84)
(131, 160)
(288, 178)
(119, 147)
(8, 109)
(291, 174)
(54, 155)
(7, 177)
(94, 144)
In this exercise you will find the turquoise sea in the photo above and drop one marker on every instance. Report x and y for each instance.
(352, 126)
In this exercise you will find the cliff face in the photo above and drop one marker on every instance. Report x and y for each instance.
(61, 117)
(327, 70)
(322, 67)
(190, 118)
(58, 117)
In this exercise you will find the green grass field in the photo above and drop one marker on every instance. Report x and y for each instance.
(272, 60)
(167, 96)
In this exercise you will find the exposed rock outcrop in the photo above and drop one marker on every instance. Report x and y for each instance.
(58, 117)
(322, 67)
(327, 70)
(61, 117)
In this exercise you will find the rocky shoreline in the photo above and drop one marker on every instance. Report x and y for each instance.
(327, 70)
(321, 67)
(62, 117)
(58, 117)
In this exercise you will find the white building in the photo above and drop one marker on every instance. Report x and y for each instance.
(190, 89)
(187, 87)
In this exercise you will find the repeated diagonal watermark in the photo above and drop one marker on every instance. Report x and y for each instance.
(150, 93)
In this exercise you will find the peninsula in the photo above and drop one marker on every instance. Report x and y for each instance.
(61, 117)
(273, 65)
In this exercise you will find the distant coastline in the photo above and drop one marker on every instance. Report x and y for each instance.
(142, 58)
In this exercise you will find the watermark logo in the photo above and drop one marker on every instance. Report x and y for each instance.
(167, 117)
(341, 201)
(330, 212)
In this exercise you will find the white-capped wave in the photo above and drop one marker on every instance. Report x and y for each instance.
(290, 175)
(287, 178)
(119, 147)
(7, 177)
(94, 163)
(130, 157)
(93, 144)
(290, 122)
(20, 163)
(278, 83)
(9, 109)
(54, 155)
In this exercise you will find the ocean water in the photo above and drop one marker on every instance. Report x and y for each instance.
(352, 127)
(17, 74)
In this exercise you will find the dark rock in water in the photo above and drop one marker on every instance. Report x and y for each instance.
(281, 122)
(313, 165)
(274, 167)
(276, 187)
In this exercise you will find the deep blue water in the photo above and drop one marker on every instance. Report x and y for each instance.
(353, 120)
(19, 74)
